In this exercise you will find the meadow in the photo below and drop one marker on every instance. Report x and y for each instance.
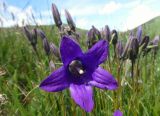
(22, 70)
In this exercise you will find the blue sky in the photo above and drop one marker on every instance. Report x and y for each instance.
(118, 14)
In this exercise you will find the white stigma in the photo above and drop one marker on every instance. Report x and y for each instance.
(81, 71)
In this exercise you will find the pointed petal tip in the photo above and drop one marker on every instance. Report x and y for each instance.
(103, 79)
(56, 81)
(113, 86)
(82, 95)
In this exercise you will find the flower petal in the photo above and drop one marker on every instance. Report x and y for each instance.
(96, 55)
(57, 81)
(103, 79)
(82, 95)
(69, 50)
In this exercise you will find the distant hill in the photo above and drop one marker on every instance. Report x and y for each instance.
(151, 27)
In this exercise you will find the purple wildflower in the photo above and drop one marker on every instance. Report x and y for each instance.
(118, 113)
(80, 71)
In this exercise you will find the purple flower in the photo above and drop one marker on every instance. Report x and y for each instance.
(80, 71)
(118, 113)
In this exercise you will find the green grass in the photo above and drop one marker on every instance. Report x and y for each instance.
(24, 71)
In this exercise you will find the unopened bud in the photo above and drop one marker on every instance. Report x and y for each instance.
(70, 21)
(56, 16)
(32, 36)
(139, 34)
(93, 36)
(114, 37)
(46, 46)
(41, 33)
(55, 50)
(133, 49)
(106, 33)
(52, 66)
(144, 42)
(119, 49)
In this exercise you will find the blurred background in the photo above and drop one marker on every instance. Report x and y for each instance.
(119, 14)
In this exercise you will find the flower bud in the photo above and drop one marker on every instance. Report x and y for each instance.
(139, 34)
(156, 41)
(32, 36)
(70, 21)
(119, 49)
(114, 37)
(41, 33)
(56, 16)
(133, 49)
(52, 66)
(54, 50)
(106, 33)
(144, 42)
(93, 36)
(46, 46)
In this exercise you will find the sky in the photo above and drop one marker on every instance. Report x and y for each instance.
(118, 14)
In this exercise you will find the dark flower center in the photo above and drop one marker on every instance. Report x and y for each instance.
(76, 68)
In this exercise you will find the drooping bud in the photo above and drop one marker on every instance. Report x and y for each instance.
(41, 33)
(131, 34)
(153, 45)
(32, 36)
(70, 21)
(54, 50)
(46, 46)
(133, 49)
(124, 54)
(156, 41)
(106, 33)
(93, 36)
(52, 66)
(144, 42)
(56, 16)
(76, 68)
(114, 37)
(139, 34)
(119, 49)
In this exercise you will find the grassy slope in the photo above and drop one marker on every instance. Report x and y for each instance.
(24, 71)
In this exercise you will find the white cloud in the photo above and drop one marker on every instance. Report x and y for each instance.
(139, 15)
(110, 8)
(23, 16)
(82, 23)
(82, 11)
